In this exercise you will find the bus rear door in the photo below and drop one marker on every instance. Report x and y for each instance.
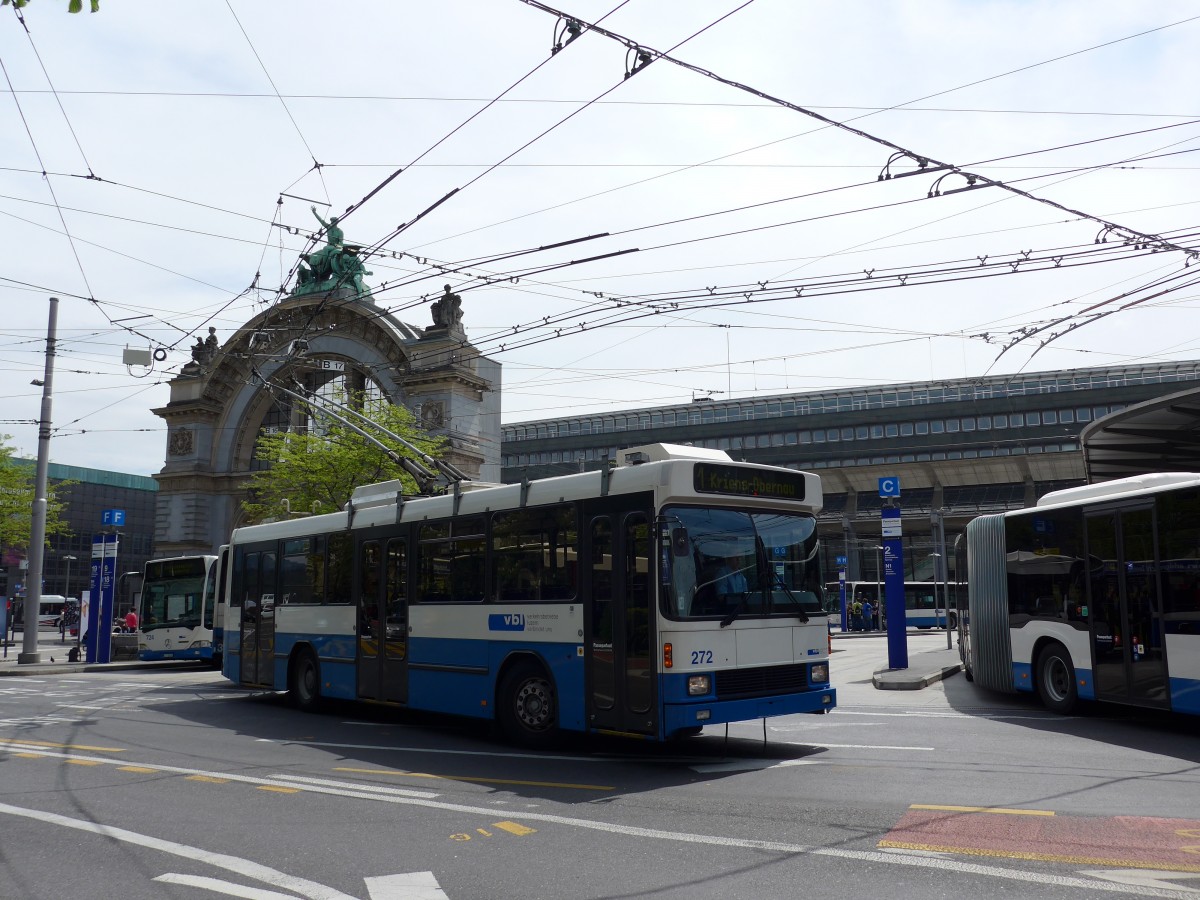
(1127, 643)
(382, 579)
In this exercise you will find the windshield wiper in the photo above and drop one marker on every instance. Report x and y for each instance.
(774, 576)
(735, 612)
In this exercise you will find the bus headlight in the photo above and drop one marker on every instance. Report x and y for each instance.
(199, 645)
(819, 673)
(698, 685)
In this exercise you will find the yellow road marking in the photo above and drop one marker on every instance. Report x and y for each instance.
(1045, 857)
(140, 770)
(83, 762)
(514, 828)
(554, 784)
(278, 789)
(18, 741)
(985, 809)
(29, 755)
(208, 779)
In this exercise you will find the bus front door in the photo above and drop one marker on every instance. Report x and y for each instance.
(1127, 644)
(619, 619)
(383, 620)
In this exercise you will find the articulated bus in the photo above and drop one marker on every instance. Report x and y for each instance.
(595, 602)
(924, 602)
(1094, 594)
(180, 614)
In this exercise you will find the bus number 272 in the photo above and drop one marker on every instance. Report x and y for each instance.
(702, 657)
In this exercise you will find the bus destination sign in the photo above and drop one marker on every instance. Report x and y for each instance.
(713, 478)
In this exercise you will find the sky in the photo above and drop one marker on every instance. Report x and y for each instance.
(159, 162)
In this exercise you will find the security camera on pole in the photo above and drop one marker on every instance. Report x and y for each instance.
(893, 573)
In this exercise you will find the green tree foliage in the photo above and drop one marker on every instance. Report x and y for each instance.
(16, 500)
(73, 6)
(316, 471)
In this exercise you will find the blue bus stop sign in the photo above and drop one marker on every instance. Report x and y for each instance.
(889, 487)
(112, 517)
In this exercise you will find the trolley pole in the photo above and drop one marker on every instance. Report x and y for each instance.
(37, 526)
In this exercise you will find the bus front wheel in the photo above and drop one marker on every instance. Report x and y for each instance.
(528, 708)
(304, 685)
(1056, 679)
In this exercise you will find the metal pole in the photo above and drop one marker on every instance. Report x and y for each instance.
(68, 560)
(37, 525)
(945, 567)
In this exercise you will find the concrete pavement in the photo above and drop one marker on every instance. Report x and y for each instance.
(928, 659)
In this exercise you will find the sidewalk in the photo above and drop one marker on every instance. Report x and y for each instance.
(54, 658)
(926, 664)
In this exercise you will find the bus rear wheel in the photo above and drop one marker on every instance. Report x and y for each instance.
(304, 683)
(527, 707)
(1056, 679)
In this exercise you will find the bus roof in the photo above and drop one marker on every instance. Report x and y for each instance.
(665, 468)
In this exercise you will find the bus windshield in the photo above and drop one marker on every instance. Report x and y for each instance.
(737, 564)
(173, 596)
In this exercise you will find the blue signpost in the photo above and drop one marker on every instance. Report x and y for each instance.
(893, 573)
(841, 562)
(100, 596)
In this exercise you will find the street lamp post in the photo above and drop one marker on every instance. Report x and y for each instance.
(68, 560)
(937, 603)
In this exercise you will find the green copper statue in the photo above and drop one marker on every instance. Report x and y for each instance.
(334, 265)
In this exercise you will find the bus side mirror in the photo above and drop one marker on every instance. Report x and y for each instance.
(680, 544)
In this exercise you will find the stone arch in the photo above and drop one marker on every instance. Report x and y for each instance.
(218, 403)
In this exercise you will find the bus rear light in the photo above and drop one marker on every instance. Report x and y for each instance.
(698, 685)
(819, 673)
(668, 658)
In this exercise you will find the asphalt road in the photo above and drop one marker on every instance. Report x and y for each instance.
(171, 783)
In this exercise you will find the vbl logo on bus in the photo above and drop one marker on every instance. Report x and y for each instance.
(506, 622)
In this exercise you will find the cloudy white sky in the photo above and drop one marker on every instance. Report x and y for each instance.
(203, 121)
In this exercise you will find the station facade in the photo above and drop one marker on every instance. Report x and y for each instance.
(959, 448)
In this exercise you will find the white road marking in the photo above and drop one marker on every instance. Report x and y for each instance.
(748, 765)
(926, 714)
(855, 746)
(352, 785)
(314, 785)
(1147, 878)
(410, 886)
(244, 867)
(633, 831)
(491, 754)
(216, 885)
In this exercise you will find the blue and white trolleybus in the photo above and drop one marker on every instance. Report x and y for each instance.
(673, 590)
(1093, 594)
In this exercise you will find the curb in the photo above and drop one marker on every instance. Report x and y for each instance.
(17, 670)
(899, 680)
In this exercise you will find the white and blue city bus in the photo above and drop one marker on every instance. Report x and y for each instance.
(1093, 594)
(926, 603)
(602, 601)
(180, 615)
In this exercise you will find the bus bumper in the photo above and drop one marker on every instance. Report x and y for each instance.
(679, 716)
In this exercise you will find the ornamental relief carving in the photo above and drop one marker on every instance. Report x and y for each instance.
(181, 442)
